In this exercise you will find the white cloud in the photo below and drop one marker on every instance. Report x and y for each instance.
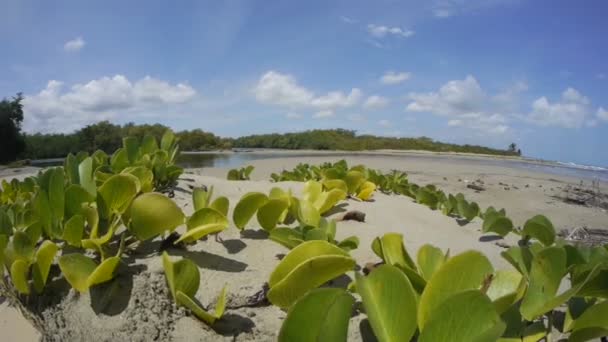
(348, 20)
(274, 88)
(375, 102)
(442, 12)
(570, 111)
(384, 123)
(381, 31)
(453, 98)
(464, 103)
(74, 44)
(54, 109)
(602, 114)
(292, 115)
(391, 77)
(323, 114)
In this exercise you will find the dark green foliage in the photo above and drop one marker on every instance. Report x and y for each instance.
(342, 139)
(11, 138)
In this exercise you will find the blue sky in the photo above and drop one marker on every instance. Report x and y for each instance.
(484, 72)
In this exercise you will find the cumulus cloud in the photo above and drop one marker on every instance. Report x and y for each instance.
(391, 77)
(375, 102)
(570, 111)
(381, 31)
(348, 20)
(602, 114)
(323, 114)
(74, 44)
(54, 109)
(464, 103)
(278, 89)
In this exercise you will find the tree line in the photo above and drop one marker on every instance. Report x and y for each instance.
(106, 136)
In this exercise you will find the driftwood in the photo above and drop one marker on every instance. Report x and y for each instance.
(353, 215)
(588, 236)
(476, 187)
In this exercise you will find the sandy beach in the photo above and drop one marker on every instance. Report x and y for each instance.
(141, 310)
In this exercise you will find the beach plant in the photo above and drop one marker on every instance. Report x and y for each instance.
(306, 267)
(210, 216)
(183, 279)
(240, 174)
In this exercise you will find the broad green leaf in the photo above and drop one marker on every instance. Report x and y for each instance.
(221, 204)
(233, 175)
(76, 269)
(19, 275)
(144, 175)
(131, 145)
(321, 315)
(118, 191)
(353, 180)
(393, 252)
(152, 214)
(3, 244)
(506, 288)
(206, 216)
(306, 267)
(20, 247)
(167, 140)
(534, 332)
(339, 184)
(148, 144)
(104, 272)
(464, 271)
(520, 258)
(71, 169)
(587, 334)
(465, 316)
(201, 231)
(497, 223)
(315, 234)
(467, 210)
(85, 174)
(40, 269)
(286, 236)
(220, 304)
(75, 196)
(540, 228)
(427, 197)
(366, 190)
(350, 243)
(182, 276)
(201, 198)
(269, 214)
(390, 303)
(327, 200)
(73, 230)
(43, 211)
(307, 214)
(594, 321)
(312, 191)
(56, 193)
(119, 160)
(430, 259)
(246, 208)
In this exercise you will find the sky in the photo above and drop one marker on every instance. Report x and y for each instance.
(486, 72)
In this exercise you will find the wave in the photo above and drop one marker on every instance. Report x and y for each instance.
(584, 167)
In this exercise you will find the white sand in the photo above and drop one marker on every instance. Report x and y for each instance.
(245, 261)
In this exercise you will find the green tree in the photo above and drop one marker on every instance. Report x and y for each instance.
(11, 138)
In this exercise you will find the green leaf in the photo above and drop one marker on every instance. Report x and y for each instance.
(506, 288)
(540, 228)
(426, 197)
(152, 214)
(118, 191)
(233, 175)
(306, 267)
(520, 258)
(331, 184)
(221, 204)
(44, 258)
(390, 303)
(366, 190)
(182, 276)
(19, 275)
(353, 180)
(350, 243)
(465, 316)
(119, 160)
(246, 207)
(56, 193)
(497, 223)
(286, 236)
(167, 140)
(148, 144)
(464, 271)
(201, 198)
(144, 175)
(73, 230)
(327, 200)
(20, 247)
(201, 231)
(467, 210)
(430, 259)
(307, 214)
(312, 190)
(85, 174)
(393, 252)
(131, 145)
(76, 269)
(321, 315)
(75, 196)
(594, 320)
(269, 214)
(104, 272)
